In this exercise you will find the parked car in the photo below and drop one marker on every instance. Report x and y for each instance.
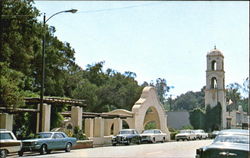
(214, 134)
(45, 142)
(229, 143)
(200, 134)
(153, 136)
(185, 135)
(8, 143)
(127, 136)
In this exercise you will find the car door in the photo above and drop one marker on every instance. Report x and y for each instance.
(59, 141)
(136, 136)
(158, 135)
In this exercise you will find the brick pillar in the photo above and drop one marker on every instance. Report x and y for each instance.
(89, 127)
(117, 125)
(76, 116)
(45, 118)
(6, 121)
(98, 127)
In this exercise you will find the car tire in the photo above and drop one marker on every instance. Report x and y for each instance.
(68, 147)
(3, 153)
(153, 140)
(163, 140)
(113, 144)
(129, 141)
(139, 141)
(20, 153)
(43, 149)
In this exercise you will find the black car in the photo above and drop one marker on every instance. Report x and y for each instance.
(127, 136)
(227, 144)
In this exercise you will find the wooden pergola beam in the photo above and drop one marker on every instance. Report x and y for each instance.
(53, 100)
(17, 110)
(103, 115)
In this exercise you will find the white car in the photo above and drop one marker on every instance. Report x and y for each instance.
(8, 143)
(185, 135)
(200, 134)
(153, 136)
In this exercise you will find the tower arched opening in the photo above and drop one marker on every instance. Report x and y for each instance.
(213, 83)
(214, 65)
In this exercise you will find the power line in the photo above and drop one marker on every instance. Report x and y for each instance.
(119, 8)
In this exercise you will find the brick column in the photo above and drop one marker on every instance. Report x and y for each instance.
(98, 127)
(76, 116)
(45, 118)
(89, 127)
(117, 125)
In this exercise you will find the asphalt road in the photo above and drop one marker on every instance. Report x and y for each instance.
(182, 149)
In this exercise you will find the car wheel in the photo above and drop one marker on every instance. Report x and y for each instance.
(128, 143)
(68, 147)
(20, 153)
(153, 140)
(3, 153)
(163, 140)
(43, 149)
(113, 144)
(139, 141)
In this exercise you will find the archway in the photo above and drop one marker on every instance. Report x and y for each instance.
(112, 129)
(151, 119)
(125, 124)
(147, 109)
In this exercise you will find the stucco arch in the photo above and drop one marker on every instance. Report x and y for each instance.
(149, 99)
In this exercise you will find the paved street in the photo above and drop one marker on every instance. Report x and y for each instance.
(180, 149)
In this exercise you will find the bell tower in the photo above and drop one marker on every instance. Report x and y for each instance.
(215, 82)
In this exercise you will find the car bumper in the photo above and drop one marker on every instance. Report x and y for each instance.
(183, 137)
(31, 148)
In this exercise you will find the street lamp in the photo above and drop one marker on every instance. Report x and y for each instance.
(43, 61)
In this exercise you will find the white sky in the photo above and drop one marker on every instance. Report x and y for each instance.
(156, 39)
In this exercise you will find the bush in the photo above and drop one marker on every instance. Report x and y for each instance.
(173, 132)
(78, 134)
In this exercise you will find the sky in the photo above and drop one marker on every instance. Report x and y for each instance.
(156, 39)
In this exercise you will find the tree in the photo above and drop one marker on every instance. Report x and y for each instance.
(233, 94)
(213, 117)
(197, 118)
(189, 101)
(11, 94)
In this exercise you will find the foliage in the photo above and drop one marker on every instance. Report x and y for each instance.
(150, 125)
(78, 134)
(56, 117)
(173, 132)
(10, 87)
(234, 95)
(187, 127)
(213, 118)
(197, 118)
(189, 101)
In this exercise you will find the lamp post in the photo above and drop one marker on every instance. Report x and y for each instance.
(43, 61)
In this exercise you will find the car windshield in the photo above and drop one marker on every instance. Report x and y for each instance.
(43, 135)
(126, 132)
(185, 131)
(243, 139)
(148, 131)
(198, 131)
